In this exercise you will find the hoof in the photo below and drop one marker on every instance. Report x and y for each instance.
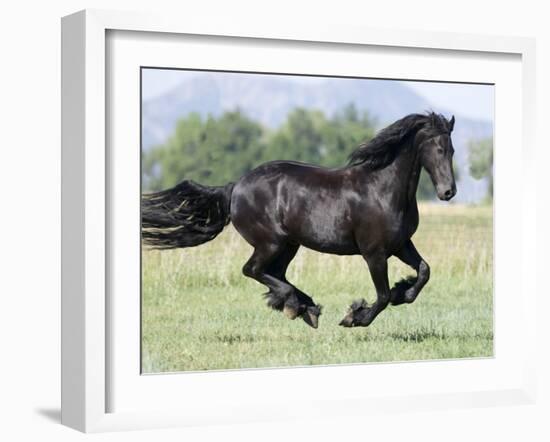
(347, 321)
(356, 310)
(311, 316)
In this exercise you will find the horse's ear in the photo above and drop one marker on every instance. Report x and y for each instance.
(451, 123)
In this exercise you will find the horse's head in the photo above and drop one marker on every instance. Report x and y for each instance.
(436, 154)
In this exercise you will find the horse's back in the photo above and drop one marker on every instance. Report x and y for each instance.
(277, 179)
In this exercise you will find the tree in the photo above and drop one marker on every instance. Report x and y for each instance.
(343, 133)
(211, 152)
(299, 138)
(480, 157)
(217, 150)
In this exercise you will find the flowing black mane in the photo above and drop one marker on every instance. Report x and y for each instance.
(383, 148)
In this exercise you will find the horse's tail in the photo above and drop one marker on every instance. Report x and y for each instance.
(186, 215)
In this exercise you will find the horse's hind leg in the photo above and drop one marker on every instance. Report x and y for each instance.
(256, 268)
(268, 265)
(298, 303)
(407, 290)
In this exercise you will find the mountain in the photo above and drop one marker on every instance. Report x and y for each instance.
(269, 98)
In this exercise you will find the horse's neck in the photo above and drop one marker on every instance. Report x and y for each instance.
(405, 173)
(414, 168)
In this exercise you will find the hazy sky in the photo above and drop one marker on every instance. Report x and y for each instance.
(473, 100)
(476, 101)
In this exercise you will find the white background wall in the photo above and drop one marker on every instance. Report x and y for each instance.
(30, 215)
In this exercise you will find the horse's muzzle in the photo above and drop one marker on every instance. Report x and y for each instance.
(446, 195)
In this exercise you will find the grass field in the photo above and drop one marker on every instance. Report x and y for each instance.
(200, 312)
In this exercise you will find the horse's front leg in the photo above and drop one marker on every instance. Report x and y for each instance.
(406, 290)
(360, 313)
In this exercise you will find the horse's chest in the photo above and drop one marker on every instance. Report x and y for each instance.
(401, 227)
(387, 231)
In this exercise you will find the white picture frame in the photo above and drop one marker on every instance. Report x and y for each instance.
(86, 210)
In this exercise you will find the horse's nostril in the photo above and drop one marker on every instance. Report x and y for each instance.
(449, 193)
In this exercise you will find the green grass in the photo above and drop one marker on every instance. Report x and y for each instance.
(200, 312)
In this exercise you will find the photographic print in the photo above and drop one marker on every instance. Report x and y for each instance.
(296, 220)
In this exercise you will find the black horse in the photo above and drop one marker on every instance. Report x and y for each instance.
(367, 208)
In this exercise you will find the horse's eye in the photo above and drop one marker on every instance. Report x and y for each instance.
(439, 150)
